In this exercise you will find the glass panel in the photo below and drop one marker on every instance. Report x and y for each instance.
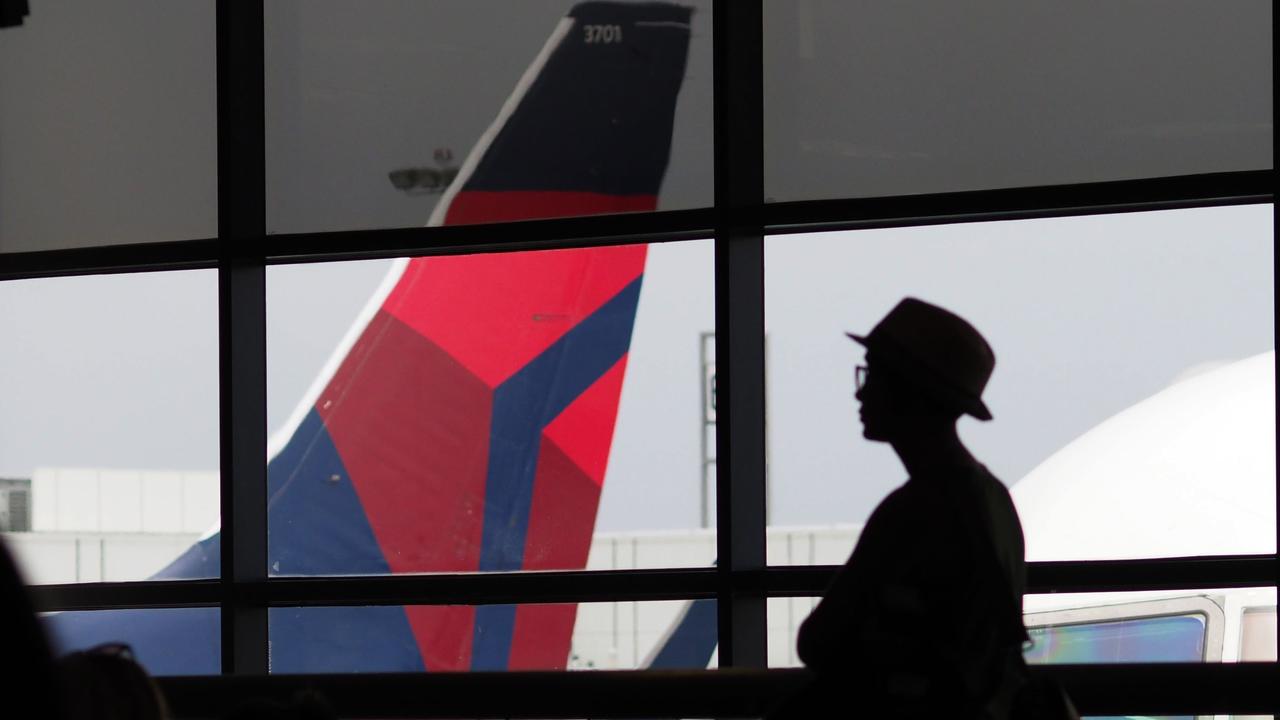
(810, 545)
(1171, 638)
(585, 636)
(868, 98)
(1122, 627)
(785, 615)
(1133, 391)
(517, 411)
(170, 641)
(395, 114)
(109, 426)
(1258, 635)
(1188, 626)
(109, 128)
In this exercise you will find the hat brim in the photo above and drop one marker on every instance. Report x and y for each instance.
(968, 404)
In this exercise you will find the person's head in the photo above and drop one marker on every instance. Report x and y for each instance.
(106, 682)
(27, 664)
(925, 367)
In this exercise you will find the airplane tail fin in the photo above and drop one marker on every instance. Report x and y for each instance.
(465, 423)
(690, 641)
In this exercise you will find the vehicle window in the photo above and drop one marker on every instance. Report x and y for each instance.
(1177, 638)
(1157, 639)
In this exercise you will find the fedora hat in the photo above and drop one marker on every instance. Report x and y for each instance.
(937, 349)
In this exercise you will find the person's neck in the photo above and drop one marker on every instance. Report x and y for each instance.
(928, 449)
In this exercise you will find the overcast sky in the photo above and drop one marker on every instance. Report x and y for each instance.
(1087, 315)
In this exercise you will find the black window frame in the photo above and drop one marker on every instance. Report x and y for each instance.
(738, 221)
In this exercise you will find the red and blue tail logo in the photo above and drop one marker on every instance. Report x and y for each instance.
(466, 423)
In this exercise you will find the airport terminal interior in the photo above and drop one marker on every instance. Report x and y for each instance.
(488, 358)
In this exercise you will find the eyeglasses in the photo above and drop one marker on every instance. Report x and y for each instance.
(859, 378)
(112, 649)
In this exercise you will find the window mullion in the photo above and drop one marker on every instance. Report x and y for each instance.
(242, 331)
(739, 292)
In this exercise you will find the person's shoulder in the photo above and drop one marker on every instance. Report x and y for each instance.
(998, 502)
(978, 472)
(991, 483)
(979, 477)
(986, 485)
(896, 495)
(897, 501)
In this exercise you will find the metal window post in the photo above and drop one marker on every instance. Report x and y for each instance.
(739, 283)
(242, 331)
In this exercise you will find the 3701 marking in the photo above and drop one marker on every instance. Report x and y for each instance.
(602, 34)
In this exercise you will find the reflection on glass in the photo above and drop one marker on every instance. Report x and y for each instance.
(170, 641)
(1145, 637)
(1133, 416)
(586, 636)
(109, 426)
(866, 99)
(387, 114)
(1158, 639)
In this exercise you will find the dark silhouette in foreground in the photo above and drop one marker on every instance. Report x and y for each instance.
(106, 683)
(924, 620)
(26, 665)
(305, 705)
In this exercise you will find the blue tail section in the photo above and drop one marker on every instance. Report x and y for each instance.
(170, 641)
(692, 641)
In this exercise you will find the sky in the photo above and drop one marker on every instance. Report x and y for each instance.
(1087, 315)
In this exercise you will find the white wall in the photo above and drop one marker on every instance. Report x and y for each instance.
(68, 557)
(123, 501)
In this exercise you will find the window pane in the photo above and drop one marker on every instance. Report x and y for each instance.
(170, 641)
(109, 426)
(1132, 627)
(1172, 638)
(1258, 642)
(393, 113)
(108, 134)
(516, 411)
(867, 99)
(785, 617)
(1258, 635)
(1133, 392)
(1121, 627)
(1189, 626)
(585, 636)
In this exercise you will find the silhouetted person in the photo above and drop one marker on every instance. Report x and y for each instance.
(106, 683)
(924, 620)
(26, 663)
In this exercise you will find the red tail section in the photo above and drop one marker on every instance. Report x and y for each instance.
(473, 415)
